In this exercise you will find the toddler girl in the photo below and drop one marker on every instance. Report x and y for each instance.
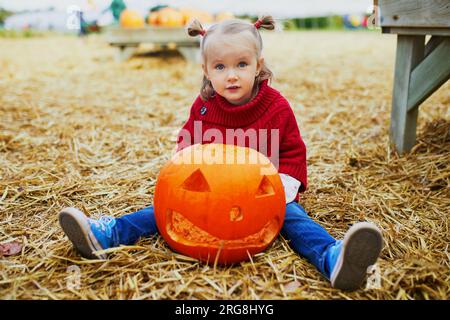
(236, 95)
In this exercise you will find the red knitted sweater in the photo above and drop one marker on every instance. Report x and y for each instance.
(268, 110)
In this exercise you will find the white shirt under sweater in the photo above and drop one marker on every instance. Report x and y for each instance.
(291, 186)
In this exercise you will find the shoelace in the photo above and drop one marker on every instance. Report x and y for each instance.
(105, 223)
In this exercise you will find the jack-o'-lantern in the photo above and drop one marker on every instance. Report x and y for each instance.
(131, 19)
(219, 203)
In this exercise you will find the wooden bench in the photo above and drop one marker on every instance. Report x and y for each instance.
(420, 69)
(127, 40)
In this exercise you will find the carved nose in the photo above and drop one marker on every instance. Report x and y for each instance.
(236, 214)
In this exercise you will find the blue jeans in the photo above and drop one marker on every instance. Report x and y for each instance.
(306, 236)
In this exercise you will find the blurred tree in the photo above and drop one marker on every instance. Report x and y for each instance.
(3, 15)
(326, 22)
(289, 24)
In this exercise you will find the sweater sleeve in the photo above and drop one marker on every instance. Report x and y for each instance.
(292, 153)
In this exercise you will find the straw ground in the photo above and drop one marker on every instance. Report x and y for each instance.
(78, 129)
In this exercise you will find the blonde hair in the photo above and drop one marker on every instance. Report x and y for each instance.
(231, 27)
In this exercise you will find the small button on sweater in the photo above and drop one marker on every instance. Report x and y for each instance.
(266, 123)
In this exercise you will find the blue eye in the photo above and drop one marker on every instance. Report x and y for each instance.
(219, 67)
(242, 64)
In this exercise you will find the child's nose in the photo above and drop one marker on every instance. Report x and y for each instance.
(232, 75)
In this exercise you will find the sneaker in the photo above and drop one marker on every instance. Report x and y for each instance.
(352, 256)
(87, 235)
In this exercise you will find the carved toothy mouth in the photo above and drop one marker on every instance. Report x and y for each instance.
(184, 231)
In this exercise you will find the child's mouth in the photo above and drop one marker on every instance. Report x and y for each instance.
(233, 88)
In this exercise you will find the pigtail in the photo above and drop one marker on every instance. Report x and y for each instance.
(195, 28)
(265, 22)
(207, 90)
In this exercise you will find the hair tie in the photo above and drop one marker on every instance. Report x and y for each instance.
(258, 24)
(202, 32)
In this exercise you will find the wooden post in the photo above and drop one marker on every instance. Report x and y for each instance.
(124, 53)
(410, 52)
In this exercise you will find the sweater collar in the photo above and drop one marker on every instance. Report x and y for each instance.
(225, 113)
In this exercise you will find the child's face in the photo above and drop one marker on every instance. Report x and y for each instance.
(231, 67)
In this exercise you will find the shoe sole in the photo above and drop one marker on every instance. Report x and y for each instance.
(361, 247)
(77, 228)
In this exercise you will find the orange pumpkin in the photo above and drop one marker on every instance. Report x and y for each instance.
(203, 16)
(153, 18)
(170, 17)
(225, 206)
(131, 19)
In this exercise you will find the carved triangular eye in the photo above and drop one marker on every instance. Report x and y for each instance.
(265, 188)
(196, 182)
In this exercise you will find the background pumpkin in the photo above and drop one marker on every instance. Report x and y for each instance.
(152, 18)
(131, 19)
(170, 17)
(201, 15)
(219, 211)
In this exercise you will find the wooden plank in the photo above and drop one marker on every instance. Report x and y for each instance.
(410, 51)
(117, 35)
(162, 43)
(414, 13)
(430, 74)
(417, 31)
